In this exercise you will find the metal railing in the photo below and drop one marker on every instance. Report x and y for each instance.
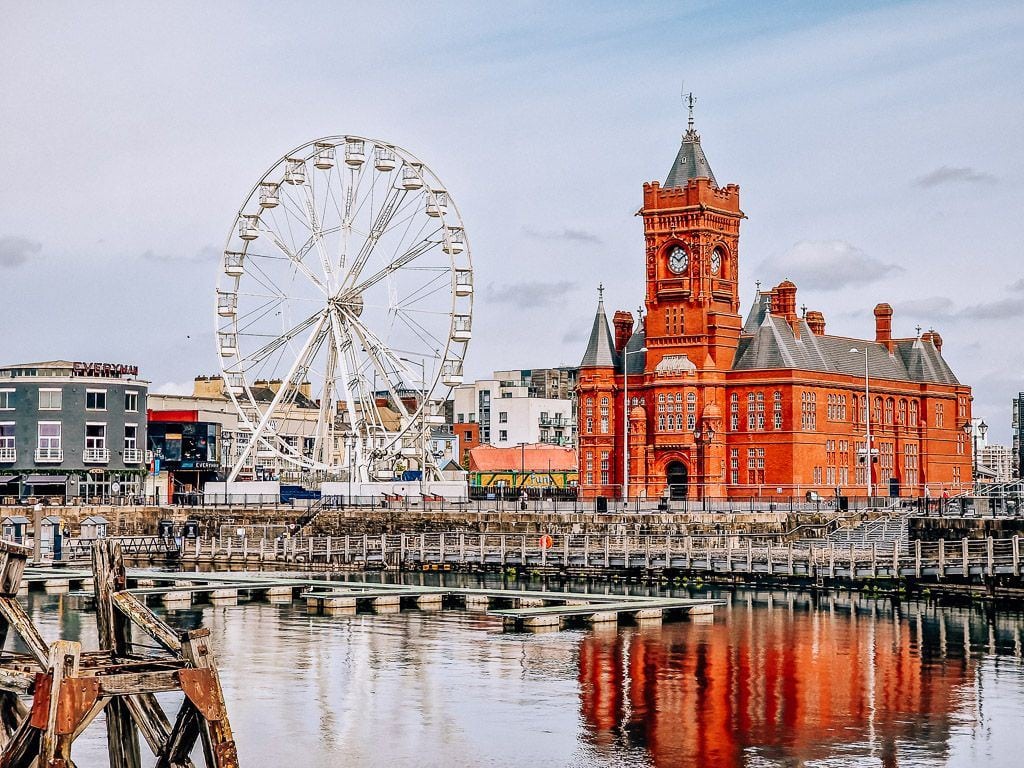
(96, 455)
(55, 455)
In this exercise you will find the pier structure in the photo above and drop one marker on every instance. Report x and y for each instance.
(70, 687)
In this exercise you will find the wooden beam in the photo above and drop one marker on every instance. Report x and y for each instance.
(183, 737)
(218, 741)
(23, 749)
(147, 621)
(13, 612)
(55, 747)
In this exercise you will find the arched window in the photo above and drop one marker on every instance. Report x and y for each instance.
(913, 413)
(901, 414)
(876, 410)
(604, 415)
(734, 412)
(691, 411)
(889, 404)
(777, 408)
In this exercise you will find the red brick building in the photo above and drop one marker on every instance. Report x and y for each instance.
(722, 407)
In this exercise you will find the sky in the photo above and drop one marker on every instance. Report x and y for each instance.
(877, 147)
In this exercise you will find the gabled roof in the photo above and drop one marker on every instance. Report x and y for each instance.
(539, 457)
(773, 345)
(690, 162)
(601, 347)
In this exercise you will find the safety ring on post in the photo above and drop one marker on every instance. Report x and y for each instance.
(546, 542)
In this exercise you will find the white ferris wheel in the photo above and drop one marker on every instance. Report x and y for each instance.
(344, 309)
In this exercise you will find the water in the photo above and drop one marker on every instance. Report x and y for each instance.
(775, 679)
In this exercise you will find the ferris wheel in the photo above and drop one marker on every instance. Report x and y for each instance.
(344, 309)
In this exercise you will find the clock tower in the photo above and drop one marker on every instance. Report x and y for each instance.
(692, 227)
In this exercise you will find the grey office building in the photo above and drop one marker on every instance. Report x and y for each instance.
(71, 431)
(1017, 457)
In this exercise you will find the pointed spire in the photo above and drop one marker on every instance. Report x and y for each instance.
(601, 347)
(690, 163)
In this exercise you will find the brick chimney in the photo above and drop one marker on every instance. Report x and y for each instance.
(623, 323)
(784, 304)
(816, 322)
(933, 336)
(208, 386)
(883, 325)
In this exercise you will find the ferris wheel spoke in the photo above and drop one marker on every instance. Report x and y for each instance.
(287, 383)
(349, 379)
(408, 257)
(282, 339)
(377, 352)
(316, 235)
(296, 260)
(379, 227)
(436, 284)
(422, 333)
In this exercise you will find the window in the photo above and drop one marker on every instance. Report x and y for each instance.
(956, 476)
(751, 411)
(734, 465)
(50, 399)
(913, 413)
(939, 414)
(861, 465)
(604, 415)
(734, 412)
(755, 466)
(910, 465)
(131, 437)
(6, 399)
(503, 417)
(808, 411)
(95, 437)
(960, 443)
(901, 414)
(96, 400)
(817, 476)
(502, 435)
(7, 452)
(131, 402)
(777, 407)
(691, 411)
(590, 467)
(876, 411)
(48, 447)
(760, 410)
(661, 423)
(889, 403)
(604, 468)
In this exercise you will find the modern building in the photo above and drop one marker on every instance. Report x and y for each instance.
(507, 414)
(1017, 449)
(722, 407)
(72, 430)
(996, 462)
(537, 466)
(468, 434)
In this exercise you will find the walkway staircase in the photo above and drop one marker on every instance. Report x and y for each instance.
(884, 533)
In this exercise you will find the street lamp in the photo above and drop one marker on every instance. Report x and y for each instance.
(703, 438)
(975, 430)
(625, 418)
(867, 418)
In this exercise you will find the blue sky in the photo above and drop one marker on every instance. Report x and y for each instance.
(876, 144)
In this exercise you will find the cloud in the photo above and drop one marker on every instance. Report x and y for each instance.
(828, 265)
(1018, 286)
(949, 175)
(933, 306)
(15, 251)
(172, 388)
(575, 235)
(204, 255)
(995, 310)
(530, 294)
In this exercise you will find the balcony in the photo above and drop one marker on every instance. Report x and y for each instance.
(96, 455)
(132, 456)
(8, 455)
(49, 455)
(555, 421)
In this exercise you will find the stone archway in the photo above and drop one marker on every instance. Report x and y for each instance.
(677, 478)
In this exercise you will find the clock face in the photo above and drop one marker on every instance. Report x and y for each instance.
(716, 261)
(678, 260)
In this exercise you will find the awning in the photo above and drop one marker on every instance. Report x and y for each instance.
(46, 480)
(5, 479)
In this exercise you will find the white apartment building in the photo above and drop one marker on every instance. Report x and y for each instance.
(508, 415)
(998, 459)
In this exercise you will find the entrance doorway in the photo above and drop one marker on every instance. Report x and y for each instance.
(678, 480)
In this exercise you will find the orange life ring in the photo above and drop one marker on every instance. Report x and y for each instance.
(546, 542)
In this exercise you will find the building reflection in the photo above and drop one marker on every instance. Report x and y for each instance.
(789, 685)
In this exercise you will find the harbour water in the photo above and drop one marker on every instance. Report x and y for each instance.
(776, 678)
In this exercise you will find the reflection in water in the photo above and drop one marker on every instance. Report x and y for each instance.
(775, 679)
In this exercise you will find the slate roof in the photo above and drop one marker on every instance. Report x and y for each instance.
(601, 347)
(772, 344)
(690, 162)
(636, 363)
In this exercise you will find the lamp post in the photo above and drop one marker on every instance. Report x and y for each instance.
(703, 439)
(867, 418)
(975, 428)
(625, 418)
